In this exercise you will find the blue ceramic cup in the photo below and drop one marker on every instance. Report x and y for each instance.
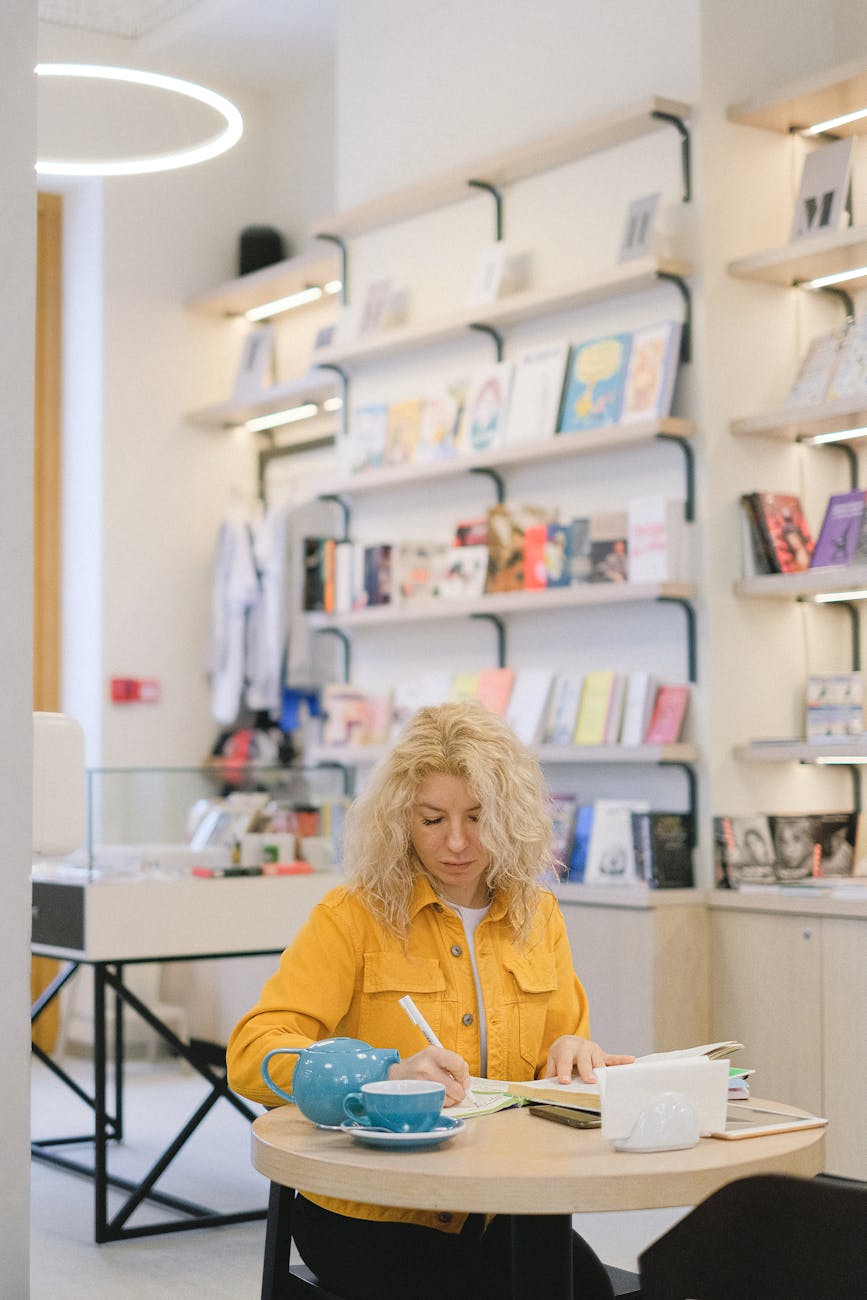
(401, 1105)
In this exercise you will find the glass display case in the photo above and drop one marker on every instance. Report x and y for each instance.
(219, 817)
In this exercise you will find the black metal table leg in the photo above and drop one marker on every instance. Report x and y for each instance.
(278, 1243)
(541, 1256)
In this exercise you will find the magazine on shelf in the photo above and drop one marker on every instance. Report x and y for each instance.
(782, 529)
(651, 372)
(849, 378)
(537, 390)
(593, 395)
(825, 177)
(483, 419)
(840, 533)
(812, 382)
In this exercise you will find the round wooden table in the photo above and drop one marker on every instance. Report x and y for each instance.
(513, 1163)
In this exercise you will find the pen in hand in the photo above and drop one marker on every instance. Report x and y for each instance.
(418, 1019)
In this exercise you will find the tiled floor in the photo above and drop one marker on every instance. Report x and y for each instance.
(223, 1263)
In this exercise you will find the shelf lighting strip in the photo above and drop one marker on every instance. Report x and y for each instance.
(292, 300)
(840, 435)
(840, 277)
(829, 597)
(829, 760)
(292, 414)
(833, 122)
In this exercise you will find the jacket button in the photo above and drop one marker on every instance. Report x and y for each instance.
(468, 1018)
(438, 907)
(457, 950)
(444, 1218)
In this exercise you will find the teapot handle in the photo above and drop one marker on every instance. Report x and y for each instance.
(277, 1051)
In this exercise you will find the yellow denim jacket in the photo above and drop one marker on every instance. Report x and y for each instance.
(344, 974)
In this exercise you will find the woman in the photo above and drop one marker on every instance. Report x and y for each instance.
(447, 852)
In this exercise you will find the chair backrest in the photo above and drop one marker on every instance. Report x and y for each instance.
(769, 1235)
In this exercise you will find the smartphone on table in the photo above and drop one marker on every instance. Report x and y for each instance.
(565, 1115)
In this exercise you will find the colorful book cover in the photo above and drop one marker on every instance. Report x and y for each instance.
(655, 539)
(594, 387)
(377, 574)
(495, 689)
(507, 526)
(418, 569)
(537, 391)
(465, 686)
(483, 420)
(580, 842)
(438, 427)
(368, 433)
(788, 540)
(609, 547)
(535, 545)
(651, 372)
(841, 530)
(563, 810)
(563, 708)
(402, 432)
(556, 557)
(464, 572)
(667, 718)
(593, 710)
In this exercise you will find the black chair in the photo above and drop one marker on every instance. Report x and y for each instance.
(766, 1237)
(280, 1281)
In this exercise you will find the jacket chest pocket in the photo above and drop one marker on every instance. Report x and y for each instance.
(386, 978)
(530, 986)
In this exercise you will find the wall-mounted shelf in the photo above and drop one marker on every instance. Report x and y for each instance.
(593, 136)
(812, 582)
(509, 602)
(552, 754)
(562, 445)
(797, 422)
(279, 280)
(314, 387)
(800, 751)
(810, 100)
(807, 259)
(630, 277)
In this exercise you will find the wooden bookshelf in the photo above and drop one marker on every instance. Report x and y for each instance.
(800, 751)
(235, 297)
(810, 100)
(616, 281)
(581, 595)
(593, 136)
(315, 387)
(812, 582)
(790, 424)
(809, 258)
(560, 755)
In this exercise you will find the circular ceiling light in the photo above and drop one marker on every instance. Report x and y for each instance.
(210, 148)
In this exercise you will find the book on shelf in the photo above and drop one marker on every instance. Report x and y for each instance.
(528, 702)
(495, 689)
(591, 723)
(850, 374)
(564, 806)
(641, 689)
(811, 384)
(746, 850)
(611, 858)
(820, 205)
(615, 710)
(418, 569)
(374, 306)
(483, 418)
(343, 576)
(563, 708)
(837, 834)
(318, 590)
(663, 849)
(668, 715)
(464, 572)
(840, 533)
(464, 686)
(438, 426)
(834, 706)
(256, 367)
(593, 394)
(429, 688)
(755, 558)
(657, 537)
(368, 436)
(403, 424)
(377, 574)
(609, 547)
(472, 532)
(488, 275)
(577, 864)
(535, 546)
(537, 390)
(586, 1096)
(507, 526)
(344, 714)
(783, 530)
(651, 372)
(556, 558)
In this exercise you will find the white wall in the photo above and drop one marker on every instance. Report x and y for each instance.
(18, 261)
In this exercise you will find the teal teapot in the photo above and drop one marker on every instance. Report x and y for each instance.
(327, 1072)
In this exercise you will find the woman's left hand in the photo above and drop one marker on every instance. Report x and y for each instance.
(570, 1054)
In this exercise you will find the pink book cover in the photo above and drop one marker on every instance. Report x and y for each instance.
(666, 720)
(495, 688)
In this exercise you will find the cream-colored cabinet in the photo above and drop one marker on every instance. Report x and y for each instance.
(789, 980)
(642, 957)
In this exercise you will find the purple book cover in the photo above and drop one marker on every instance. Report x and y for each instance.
(841, 530)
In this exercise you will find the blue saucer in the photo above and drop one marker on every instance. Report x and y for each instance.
(372, 1135)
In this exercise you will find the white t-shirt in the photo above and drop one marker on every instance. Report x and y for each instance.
(471, 916)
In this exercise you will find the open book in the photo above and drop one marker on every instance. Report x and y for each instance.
(585, 1096)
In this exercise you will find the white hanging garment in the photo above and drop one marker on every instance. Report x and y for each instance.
(267, 623)
(235, 588)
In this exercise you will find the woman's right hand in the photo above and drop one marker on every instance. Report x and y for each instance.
(439, 1066)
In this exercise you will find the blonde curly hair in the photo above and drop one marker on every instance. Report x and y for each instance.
(467, 741)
